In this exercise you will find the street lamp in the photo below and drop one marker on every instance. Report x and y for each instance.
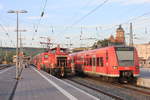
(17, 53)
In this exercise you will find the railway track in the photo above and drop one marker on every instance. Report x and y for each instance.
(119, 91)
(3, 66)
(96, 89)
(131, 86)
(142, 90)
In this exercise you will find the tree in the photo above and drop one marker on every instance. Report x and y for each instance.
(101, 43)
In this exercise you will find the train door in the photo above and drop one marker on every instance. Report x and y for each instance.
(107, 63)
(82, 63)
(94, 64)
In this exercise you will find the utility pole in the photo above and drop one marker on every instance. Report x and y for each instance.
(17, 51)
(21, 50)
(69, 44)
(20, 38)
(1, 49)
(131, 36)
(81, 36)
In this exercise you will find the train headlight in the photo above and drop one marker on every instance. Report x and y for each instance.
(115, 67)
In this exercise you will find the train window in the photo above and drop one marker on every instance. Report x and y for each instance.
(98, 61)
(82, 58)
(107, 55)
(72, 60)
(101, 61)
(90, 62)
(94, 62)
(85, 61)
(125, 56)
(53, 51)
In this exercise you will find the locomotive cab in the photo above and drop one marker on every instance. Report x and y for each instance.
(61, 64)
(61, 61)
(126, 63)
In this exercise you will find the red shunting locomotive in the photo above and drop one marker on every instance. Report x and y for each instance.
(54, 62)
(113, 62)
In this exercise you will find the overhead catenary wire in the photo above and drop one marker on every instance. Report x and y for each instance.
(90, 12)
(36, 27)
(6, 33)
(127, 22)
(86, 15)
(2, 27)
(41, 16)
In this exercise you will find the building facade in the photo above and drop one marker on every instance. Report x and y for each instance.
(120, 36)
(144, 54)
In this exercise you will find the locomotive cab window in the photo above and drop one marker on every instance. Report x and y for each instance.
(46, 56)
(61, 61)
(125, 56)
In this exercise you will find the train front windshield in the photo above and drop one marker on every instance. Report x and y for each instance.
(125, 56)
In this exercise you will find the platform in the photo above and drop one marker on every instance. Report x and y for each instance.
(7, 83)
(144, 78)
(39, 85)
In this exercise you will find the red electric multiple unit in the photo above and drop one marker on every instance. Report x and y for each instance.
(111, 62)
(54, 62)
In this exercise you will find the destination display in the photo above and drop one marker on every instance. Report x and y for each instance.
(124, 48)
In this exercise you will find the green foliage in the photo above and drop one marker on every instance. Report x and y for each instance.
(101, 43)
(6, 54)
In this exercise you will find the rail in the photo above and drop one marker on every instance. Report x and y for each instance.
(3, 66)
(96, 89)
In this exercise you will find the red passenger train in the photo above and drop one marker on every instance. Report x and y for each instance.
(113, 62)
(54, 62)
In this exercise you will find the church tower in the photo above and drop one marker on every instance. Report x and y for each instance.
(120, 37)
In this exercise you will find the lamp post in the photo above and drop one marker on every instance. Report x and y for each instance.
(17, 52)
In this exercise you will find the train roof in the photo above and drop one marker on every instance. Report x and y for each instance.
(60, 48)
(94, 50)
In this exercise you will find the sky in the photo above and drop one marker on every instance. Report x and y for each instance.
(62, 19)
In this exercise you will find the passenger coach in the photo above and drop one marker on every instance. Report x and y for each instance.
(112, 62)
